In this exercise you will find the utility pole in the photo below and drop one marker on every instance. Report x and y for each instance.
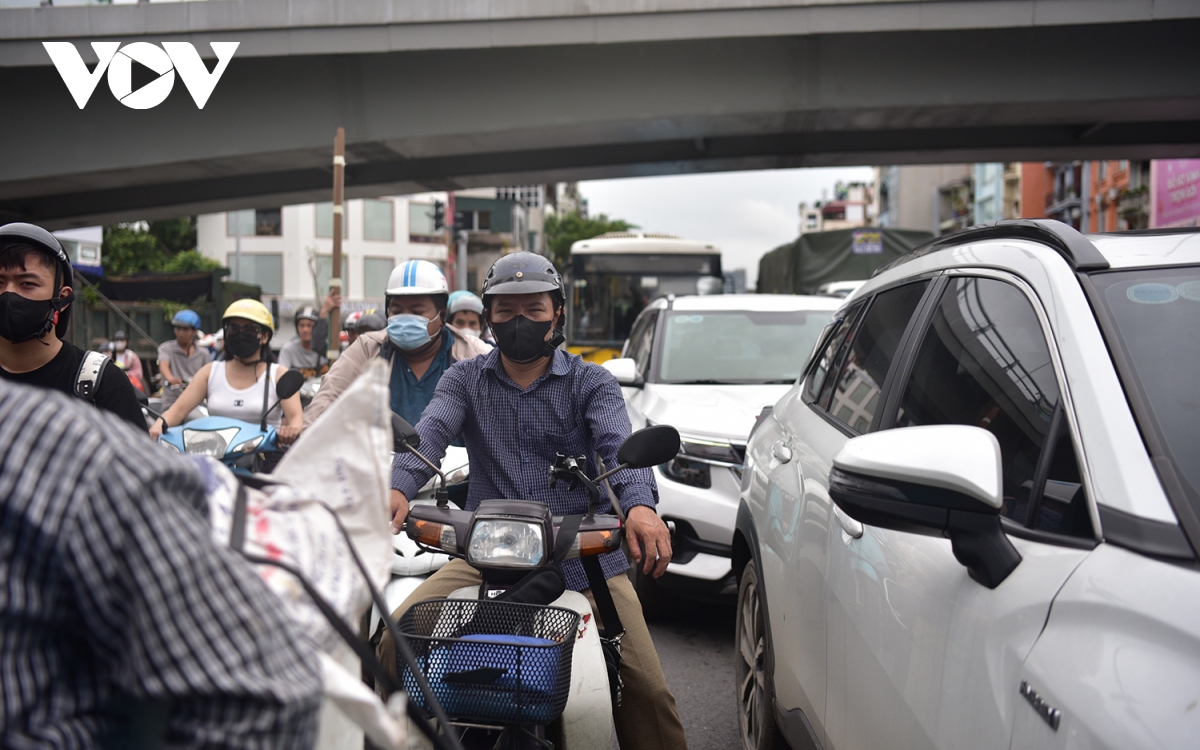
(335, 273)
(451, 227)
(463, 238)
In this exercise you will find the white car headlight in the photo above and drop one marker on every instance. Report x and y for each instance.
(208, 442)
(498, 542)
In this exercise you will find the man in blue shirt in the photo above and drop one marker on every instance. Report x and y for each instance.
(516, 408)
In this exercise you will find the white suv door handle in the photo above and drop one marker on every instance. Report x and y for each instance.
(781, 451)
(848, 524)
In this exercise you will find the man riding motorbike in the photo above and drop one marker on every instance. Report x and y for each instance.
(517, 408)
(417, 342)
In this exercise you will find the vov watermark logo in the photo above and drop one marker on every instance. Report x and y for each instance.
(118, 62)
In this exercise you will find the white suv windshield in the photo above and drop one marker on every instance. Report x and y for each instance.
(738, 346)
(1157, 312)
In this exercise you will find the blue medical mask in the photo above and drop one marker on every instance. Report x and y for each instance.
(407, 331)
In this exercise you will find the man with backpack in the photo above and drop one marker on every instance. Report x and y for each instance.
(35, 296)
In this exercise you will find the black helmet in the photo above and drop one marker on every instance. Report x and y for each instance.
(371, 321)
(522, 273)
(19, 233)
(307, 313)
(120, 336)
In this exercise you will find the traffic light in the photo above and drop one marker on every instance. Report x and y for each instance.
(462, 220)
(439, 215)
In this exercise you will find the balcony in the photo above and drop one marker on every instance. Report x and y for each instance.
(1133, 203)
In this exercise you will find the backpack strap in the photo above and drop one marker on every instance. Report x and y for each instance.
(87, 380)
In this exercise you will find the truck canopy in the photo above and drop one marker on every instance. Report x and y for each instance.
(816, 258)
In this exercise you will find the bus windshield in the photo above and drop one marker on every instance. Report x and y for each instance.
(609, 291)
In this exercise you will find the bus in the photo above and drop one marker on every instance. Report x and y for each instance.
(611, 278)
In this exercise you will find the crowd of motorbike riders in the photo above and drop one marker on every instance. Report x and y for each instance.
(462, 367)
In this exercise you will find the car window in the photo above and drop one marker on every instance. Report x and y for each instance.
(871, 349)
(640, 342)
(823, 361)
(984, 361)
(737, 346)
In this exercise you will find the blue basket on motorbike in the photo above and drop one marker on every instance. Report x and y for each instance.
(491, 660)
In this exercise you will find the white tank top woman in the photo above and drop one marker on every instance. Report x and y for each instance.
(245, 404)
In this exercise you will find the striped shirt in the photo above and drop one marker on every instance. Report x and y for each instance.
(115, 602)
(513, 435)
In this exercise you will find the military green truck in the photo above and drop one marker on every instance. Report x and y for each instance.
(818, 258)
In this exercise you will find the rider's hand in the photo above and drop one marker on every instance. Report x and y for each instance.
(334, 299)
(156, 430)
(287, 434)
(399, 510)
(643, 528)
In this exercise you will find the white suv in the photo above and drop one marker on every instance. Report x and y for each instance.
(1016, 566)
(708, 366)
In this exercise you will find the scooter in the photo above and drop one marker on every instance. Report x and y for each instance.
(244, 447)
(519, 660)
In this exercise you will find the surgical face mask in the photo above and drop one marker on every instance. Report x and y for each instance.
(472, 332)
(22, 319)
(522, 340)
(408, 332)
(120, 346)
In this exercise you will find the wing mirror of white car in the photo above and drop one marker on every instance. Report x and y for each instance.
(625, 371)
(937, 480)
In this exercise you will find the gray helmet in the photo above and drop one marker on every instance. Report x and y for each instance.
(522, 273)
(20, 233)
(307, 313)
(371, 321)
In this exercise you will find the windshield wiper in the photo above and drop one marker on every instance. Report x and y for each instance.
(702, 382)
(782, 381)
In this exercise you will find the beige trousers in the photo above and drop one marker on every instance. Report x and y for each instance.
(647, 718)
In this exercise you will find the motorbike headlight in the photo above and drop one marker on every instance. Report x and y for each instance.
(505, 543)
(172, 446)
(208, 442)
(248, 446)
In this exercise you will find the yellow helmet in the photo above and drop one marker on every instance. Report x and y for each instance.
(250, 309)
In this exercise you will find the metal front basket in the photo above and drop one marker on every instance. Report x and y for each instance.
(491, 660)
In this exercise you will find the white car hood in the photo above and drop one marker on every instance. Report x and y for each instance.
(722, 412)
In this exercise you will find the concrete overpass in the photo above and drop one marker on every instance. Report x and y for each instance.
(439, 95)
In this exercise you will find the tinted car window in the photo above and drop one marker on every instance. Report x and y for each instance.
(823, 361)
(984, 361)
(872, 347)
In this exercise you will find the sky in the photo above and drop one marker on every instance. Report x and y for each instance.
(745, 214)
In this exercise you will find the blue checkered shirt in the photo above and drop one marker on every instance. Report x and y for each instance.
(512, 436)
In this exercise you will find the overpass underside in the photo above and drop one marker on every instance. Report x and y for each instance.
(451, 118)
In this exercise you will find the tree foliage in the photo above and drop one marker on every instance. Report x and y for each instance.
(562, 231)
(154, 247)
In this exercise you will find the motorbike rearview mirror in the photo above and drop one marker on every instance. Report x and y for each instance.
(404, 434)
(289, 384)
(649, 446)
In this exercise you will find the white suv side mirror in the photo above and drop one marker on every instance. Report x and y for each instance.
(625, 371)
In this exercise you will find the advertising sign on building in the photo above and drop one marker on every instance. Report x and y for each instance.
(867, 242)
(1175, 193)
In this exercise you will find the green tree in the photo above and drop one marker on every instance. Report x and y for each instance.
(156, 247)
(562, 231)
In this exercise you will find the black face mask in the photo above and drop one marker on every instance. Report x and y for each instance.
(22, 319)
(523, 340)
(242, 344)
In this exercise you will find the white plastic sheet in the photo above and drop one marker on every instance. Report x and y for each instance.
(341, 462)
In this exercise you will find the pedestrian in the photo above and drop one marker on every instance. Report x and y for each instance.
(35, 296)
(517, 408)
(307, 352)
(122, 624)
(179, 360)
(418, 344)
(128, 360)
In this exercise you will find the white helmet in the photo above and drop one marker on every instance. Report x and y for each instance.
(416, 277)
